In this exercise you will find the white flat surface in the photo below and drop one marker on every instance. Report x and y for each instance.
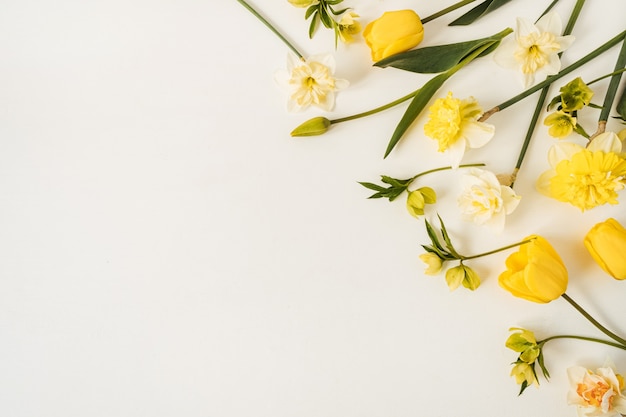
(167, 249)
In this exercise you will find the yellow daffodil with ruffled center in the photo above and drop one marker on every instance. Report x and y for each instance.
(585, 177)
(561, 124)
(535, 48)
(597, 393)
(453, 123)
(310, 82)
(348, 27)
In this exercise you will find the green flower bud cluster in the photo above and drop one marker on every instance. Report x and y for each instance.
(530, 353)
(574, 96)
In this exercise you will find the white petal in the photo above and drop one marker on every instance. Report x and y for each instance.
(328, 103)
(543, 182)
(552, 67)
(528, 79)
(606, 142)
(496, 222)
(477, 134)
(561, 151)
(550, 22)
(340, 84)
(524, 27)
(565, 41)
(510, 199)
(455, 153)
(324, 59)
(505, 54)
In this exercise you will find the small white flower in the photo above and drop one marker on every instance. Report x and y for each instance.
(535, 47)
(484, 200)
(310, 82)
(596, 394)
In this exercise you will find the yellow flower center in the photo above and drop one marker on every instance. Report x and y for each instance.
(313, 83)
(594, 395)
(446, 118)
(535, 49)
(589, 179)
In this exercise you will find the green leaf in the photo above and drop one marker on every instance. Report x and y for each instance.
(372, 186)
(338, 12)
(435, 59)
(313, 25)
(478, 11)
(621, 105)
(432, 235)
(326, 19)
(446, 238)
(420, 100)
(310, 11)
(540, 361)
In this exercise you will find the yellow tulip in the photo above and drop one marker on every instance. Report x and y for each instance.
(535, 272)
(606, 242)
(393, 32)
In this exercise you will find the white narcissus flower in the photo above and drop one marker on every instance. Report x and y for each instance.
(310, 82)
(484, 200)
(596, 394)
(535, 47)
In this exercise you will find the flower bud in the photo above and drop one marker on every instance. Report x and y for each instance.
(303, 3)
(575, 95)
(417, 200)
(433, 263)
(313, 127)
(393, 32)
(462, 274)
(606, 242)
(524, 342)
(535, 272)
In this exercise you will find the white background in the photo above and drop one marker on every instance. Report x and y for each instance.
(167, 249)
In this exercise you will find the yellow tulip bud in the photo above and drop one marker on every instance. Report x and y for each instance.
(303, 3)
(535, 272)
(312, 127)
(606, 242)
(393, 32)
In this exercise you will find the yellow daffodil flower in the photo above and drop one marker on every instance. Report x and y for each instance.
(310, 82)
(585, 177)
(561, 124)
(454, 124)
(534, 49)
(348, 27)
(484, 200)
(606, 242)
(393, 32)
(597, 393)
(535, 272)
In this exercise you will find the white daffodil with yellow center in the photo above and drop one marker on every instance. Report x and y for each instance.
(484, 200)
(535, 47)
(310, 82)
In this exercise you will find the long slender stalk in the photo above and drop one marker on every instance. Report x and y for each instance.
(588, 339)
(465, 258)
(611, 91)
(271, 27)
(593, 321)
(446, 10)
(544, 91)
(430, 171)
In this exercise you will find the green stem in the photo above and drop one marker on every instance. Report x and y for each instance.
(465, 258)
(270, 27)
(544, 91)
(377, 109)
(606, 76)
(593, 321)
(548, 8)
(430, 171)
(446, 10)
(588, 339)
(589, 57)
(613, 84)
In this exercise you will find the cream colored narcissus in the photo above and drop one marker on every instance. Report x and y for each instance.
(484, 200)
(310, 82)
(535, 47)
(596, 394)
(454, 124)
(585, 177)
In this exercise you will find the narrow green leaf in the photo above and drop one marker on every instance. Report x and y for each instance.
(313, 25)
(478, 11)
(432, 235)
(338, 12)
(310, 11)
(621, 105)
(327, 21)
(446, 238)
(435, 59)
(542, 365)
(372, 186)
(420, 100)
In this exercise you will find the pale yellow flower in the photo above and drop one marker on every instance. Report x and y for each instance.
(454, 124)
(433, 263)
(524, 372)
(348, 27)
(310, 82)
(535, 47)
(303, 3)
(585, 177)
(561, 124)
(484, 200)
(597, 393)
